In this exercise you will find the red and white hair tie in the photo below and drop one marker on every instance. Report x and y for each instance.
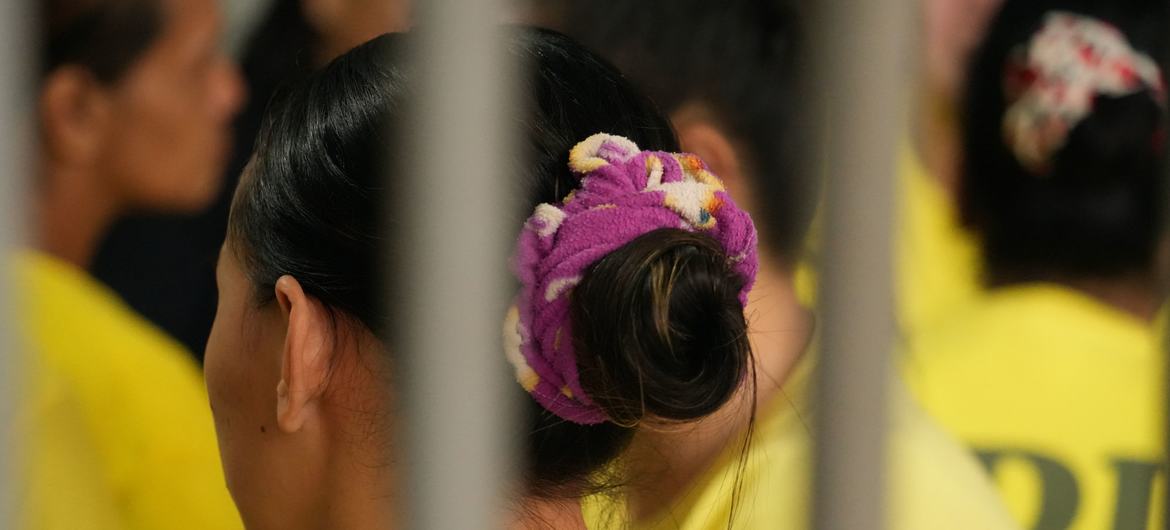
(1051, 83)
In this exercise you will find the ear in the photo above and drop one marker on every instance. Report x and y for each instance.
(74, 113)
(306, 358)
(699, 135)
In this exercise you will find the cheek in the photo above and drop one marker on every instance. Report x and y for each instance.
(222, 374)
(242, 394)
(169, 150)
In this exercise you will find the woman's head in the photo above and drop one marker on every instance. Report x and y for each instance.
(631, 310)
(307, 230)
(299, 286)
(727, 74)
(137, 95)
(1064, 140)
(951, 29)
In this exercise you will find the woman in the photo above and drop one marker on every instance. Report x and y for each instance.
(738, 111)
(297, 362)
(1056, 367)
(133, 105)
(177, 292)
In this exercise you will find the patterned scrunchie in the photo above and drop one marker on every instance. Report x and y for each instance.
(1051, 82)
(624, 193)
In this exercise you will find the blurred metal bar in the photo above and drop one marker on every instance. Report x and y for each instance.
(1164, 514)
(16, 56)
(861, 49)
(458, 417)
(1162, 511)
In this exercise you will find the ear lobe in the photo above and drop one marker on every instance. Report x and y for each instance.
(306, 357)
(72, 109)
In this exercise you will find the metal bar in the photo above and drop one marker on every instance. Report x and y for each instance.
(1163, 510)
(458, 415)
(15, 149)
(862, 62)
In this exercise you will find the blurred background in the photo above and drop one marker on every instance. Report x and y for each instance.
(956, 319)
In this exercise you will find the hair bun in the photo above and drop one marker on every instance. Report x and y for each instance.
(659, 328)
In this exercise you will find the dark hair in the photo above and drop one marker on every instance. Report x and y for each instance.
(104, 36)
(738, 58)
(1098, 212)
(661, 316)
(310, 207)
(309, 203)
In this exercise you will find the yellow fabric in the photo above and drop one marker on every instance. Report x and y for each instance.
(118, 433)
(933, 482)
(937, 262)
(1063, 394)
(63, 488)
(805, 276)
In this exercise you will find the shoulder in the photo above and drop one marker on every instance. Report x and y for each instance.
(71, 319)
(935, 481)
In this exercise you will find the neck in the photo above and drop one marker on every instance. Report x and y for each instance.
(340, 469)
(663, 463)
(544, 514)
(73, 211)
(1137, 296)
(360, 480)
(360, 494)
(355, 487)
(936, 137)
(779, 327)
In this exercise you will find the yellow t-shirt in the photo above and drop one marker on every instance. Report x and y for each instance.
(934, 483)
(937, 262)
(61, 486)
(1062, 396)
(118, 423)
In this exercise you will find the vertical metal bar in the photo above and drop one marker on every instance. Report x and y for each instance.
(15, 149)
(458, 417)
(862, 79)
(1164, 508)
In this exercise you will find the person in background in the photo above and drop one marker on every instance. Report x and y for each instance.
(736, 108)
(297, 361)
(951, 32)
(172, 280)
(936, 263)
(133, 106)
(1054, 374)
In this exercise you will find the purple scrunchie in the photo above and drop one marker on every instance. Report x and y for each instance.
(624, 193)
